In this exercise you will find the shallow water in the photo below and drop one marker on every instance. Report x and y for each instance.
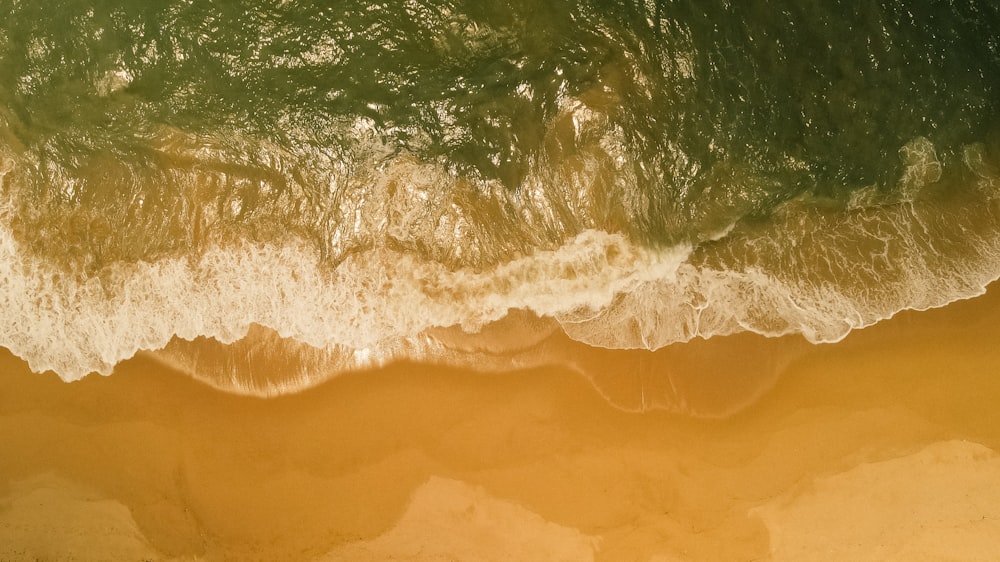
(367, 180)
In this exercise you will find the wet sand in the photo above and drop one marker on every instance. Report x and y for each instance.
(880, 447)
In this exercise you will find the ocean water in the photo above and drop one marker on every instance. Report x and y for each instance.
(312, 187)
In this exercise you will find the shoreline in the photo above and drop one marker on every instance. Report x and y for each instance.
(537, 464)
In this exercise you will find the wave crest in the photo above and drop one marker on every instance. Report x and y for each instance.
(807, 269)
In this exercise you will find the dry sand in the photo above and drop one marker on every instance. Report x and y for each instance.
(881, 447)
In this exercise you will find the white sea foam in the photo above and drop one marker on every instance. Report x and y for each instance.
(809, 271)
(602, 289)
(74, 326)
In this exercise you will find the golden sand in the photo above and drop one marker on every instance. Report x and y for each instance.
(881, 447)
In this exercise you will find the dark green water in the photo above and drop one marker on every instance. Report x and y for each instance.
(351, 174)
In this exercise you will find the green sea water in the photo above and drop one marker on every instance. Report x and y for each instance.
(354, 174)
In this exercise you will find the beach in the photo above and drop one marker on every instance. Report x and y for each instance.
(553, 280)
(879, 447)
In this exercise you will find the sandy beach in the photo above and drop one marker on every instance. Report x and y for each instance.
(880, 447)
